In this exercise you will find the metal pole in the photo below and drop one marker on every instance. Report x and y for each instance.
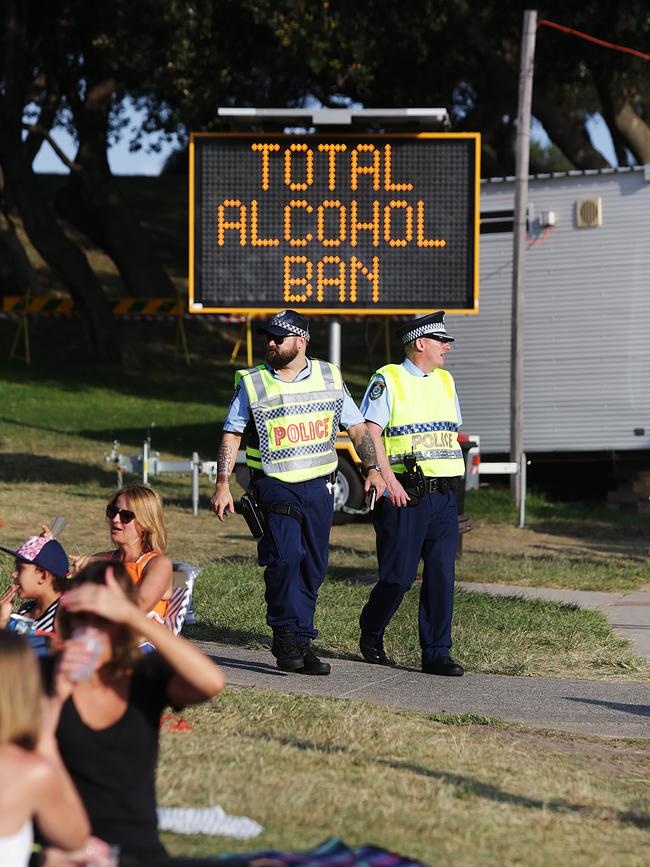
(249, 342)
(523, 463)
(145, 462)
(196, 465)
(518, 264)
(335, 342)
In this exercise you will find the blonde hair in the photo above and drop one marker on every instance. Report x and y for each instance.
(21, 689)
(146, 504)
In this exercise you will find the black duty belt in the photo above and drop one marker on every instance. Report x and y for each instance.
(260, 474)
(428, 485)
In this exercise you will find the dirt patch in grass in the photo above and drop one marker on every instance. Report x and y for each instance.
(616, 757)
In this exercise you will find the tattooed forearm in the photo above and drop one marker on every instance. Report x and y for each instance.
(365, 447)
(224, 462)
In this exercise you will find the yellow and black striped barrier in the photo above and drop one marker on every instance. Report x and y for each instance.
(44, 304)
(22, 307)
(51, 305)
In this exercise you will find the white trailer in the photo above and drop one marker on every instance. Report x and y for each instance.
(587, 316)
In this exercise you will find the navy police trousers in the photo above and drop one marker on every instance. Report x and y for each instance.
(406, 535)
(294, 552)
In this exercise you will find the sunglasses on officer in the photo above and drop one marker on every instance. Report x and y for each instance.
(279, 340)
(438, 339)
(126, 515)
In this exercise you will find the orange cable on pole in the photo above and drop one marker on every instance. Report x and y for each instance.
(545, 22)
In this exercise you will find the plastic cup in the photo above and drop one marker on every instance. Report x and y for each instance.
(20, 624)
(93, 641)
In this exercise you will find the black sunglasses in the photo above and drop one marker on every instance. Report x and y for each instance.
(126, 515)
(279, 340)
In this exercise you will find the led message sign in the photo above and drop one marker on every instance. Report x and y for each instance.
(365, 224)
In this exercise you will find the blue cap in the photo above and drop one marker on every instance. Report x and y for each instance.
(43, 552)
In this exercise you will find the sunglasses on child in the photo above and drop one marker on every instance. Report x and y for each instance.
(126, 515)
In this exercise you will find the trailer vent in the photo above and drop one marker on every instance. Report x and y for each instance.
(589, 212)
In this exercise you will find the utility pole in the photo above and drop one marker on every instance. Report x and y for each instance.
(522, 159)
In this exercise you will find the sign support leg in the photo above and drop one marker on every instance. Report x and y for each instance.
(335, 342)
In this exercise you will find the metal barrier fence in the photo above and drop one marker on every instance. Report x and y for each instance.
(148, 463)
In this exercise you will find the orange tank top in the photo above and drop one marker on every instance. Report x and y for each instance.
(135, 568)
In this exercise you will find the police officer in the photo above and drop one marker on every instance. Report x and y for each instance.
(413, 415)
(291, 409)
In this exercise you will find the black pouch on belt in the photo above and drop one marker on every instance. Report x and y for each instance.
(249, 509)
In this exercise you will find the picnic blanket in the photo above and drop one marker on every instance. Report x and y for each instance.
(331, 853)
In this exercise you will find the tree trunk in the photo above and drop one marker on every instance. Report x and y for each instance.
(568, 134)
(92, 202)
(64, 257)
(39, 220)
(635, 132)
(16, 272)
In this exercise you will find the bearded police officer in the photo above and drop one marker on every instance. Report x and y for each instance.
(413, 415)
(291, 409)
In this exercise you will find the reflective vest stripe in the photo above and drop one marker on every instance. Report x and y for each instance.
(420, 428)
(297, 451)
(258, 383)
(431, 455)
(318, 461)
(283, 464)
(324, 399)
(327, 374)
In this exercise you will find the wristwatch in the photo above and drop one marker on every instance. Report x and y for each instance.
(373, 467)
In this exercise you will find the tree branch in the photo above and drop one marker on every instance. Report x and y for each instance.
(568, 133)
(38, 130)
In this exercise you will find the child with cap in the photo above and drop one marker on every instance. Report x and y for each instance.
(39, 577)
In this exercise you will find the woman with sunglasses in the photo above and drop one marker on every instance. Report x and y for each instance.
(137, 528)
(106, 700)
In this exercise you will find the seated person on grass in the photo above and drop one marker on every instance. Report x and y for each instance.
(39, 578)
(106, 703)
(137, 528)
(35, 785)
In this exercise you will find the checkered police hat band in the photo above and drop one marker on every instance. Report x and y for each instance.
(282, 323)
(423, 330)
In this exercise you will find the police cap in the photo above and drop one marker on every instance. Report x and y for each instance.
(431, 325)
(286, 323)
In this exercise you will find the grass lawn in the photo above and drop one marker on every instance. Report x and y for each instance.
(440, 788)
(562, 545)
(491, 635)
(60, 417)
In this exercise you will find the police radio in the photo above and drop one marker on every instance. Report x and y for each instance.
(414, 476)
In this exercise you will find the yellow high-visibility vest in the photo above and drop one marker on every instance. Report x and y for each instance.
(423, 421)
(296, 422)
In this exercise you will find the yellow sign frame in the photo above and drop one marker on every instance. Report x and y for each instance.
(198, 308)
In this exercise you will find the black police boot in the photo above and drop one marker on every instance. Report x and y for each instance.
(311, 663)
(444, 666)
(372, 650)
(285, 650)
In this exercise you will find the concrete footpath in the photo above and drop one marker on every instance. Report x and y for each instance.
(583, 706)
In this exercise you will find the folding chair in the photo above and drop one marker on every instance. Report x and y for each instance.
(179, 609)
